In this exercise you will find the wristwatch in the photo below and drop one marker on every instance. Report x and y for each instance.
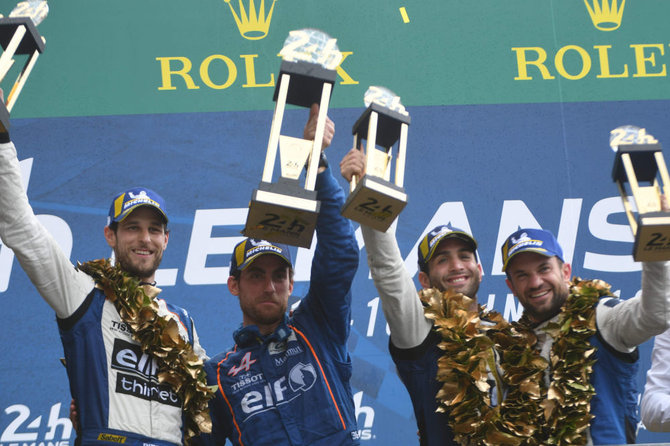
(323, 161)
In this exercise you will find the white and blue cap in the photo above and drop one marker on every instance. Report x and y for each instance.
(250, 249)
(430, 241)
(538, 241)
(126, 202)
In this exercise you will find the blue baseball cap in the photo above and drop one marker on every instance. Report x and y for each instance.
(250, 249)
(430, 241)
(126, 202)
(530, 240)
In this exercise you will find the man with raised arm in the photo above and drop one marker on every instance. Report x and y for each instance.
(103, 311)
(286, 379)
(588, 338)
(447, 261)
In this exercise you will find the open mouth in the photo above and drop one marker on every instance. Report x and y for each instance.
(540, 295)
(456, 281)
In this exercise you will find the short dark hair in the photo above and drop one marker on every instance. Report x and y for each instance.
(115, 225)
(237, 274)
(426, 266)
(558, 259)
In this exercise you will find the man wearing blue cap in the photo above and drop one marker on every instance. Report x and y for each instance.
(100, 312)
(588, 337)
(286, 380)
(447, 258)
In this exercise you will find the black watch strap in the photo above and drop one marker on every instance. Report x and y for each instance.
(323, 161)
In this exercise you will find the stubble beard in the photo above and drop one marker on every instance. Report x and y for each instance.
(136, 270)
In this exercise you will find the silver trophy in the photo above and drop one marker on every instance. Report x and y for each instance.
(19, 36)
(285, 211)
(639, 159)
(374, 200)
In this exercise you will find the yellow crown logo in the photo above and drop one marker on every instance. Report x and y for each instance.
(253, 25)
(605, 14)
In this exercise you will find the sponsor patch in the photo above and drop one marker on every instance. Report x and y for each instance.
(112, 438)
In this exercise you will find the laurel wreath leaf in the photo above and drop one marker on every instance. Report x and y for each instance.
(531, 412)
(178, 365)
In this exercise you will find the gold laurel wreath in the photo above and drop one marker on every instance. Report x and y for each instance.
(530, 413)
(178, 365)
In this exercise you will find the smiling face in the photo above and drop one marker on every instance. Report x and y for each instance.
(263, 288)
(540, 283)
(138, 242)
(453, 266)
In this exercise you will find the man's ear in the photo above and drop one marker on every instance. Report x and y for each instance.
(510, 286)
(424, 280)
(167, 237)
(110, 236)
(567, 271)
(233, 286)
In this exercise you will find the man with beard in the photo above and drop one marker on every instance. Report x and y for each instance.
(112, 376)
(286, 380)
(447, 260)
(540, 279)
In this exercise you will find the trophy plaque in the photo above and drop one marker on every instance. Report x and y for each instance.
(639, 159)
(19, 36)
(286, 211)
(373, 200)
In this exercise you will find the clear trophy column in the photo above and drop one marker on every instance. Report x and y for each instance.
(286, 211)
(19, 36)
(639, 159)
(374, 201)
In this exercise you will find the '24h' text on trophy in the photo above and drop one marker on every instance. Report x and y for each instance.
(639, 159)
(374, 200)
(19, 35)
(285, 211)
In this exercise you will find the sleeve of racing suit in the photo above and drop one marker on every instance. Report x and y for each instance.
(400, 302)
(218, 408)
(52, 273)
(655, 405)
(334, 264)
(625, 324)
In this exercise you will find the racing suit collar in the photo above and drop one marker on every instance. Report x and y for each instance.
(250, 335)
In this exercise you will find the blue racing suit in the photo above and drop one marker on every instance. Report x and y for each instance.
(291, 387)
(614, 405)
(115, 384)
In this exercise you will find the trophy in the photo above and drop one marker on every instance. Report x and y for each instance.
(285, 211)
(639, 159)
(374, 200)
(19, 35)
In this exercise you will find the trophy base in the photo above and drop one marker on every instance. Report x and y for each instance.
(282, 213)
(652, 240)
(375, 203)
